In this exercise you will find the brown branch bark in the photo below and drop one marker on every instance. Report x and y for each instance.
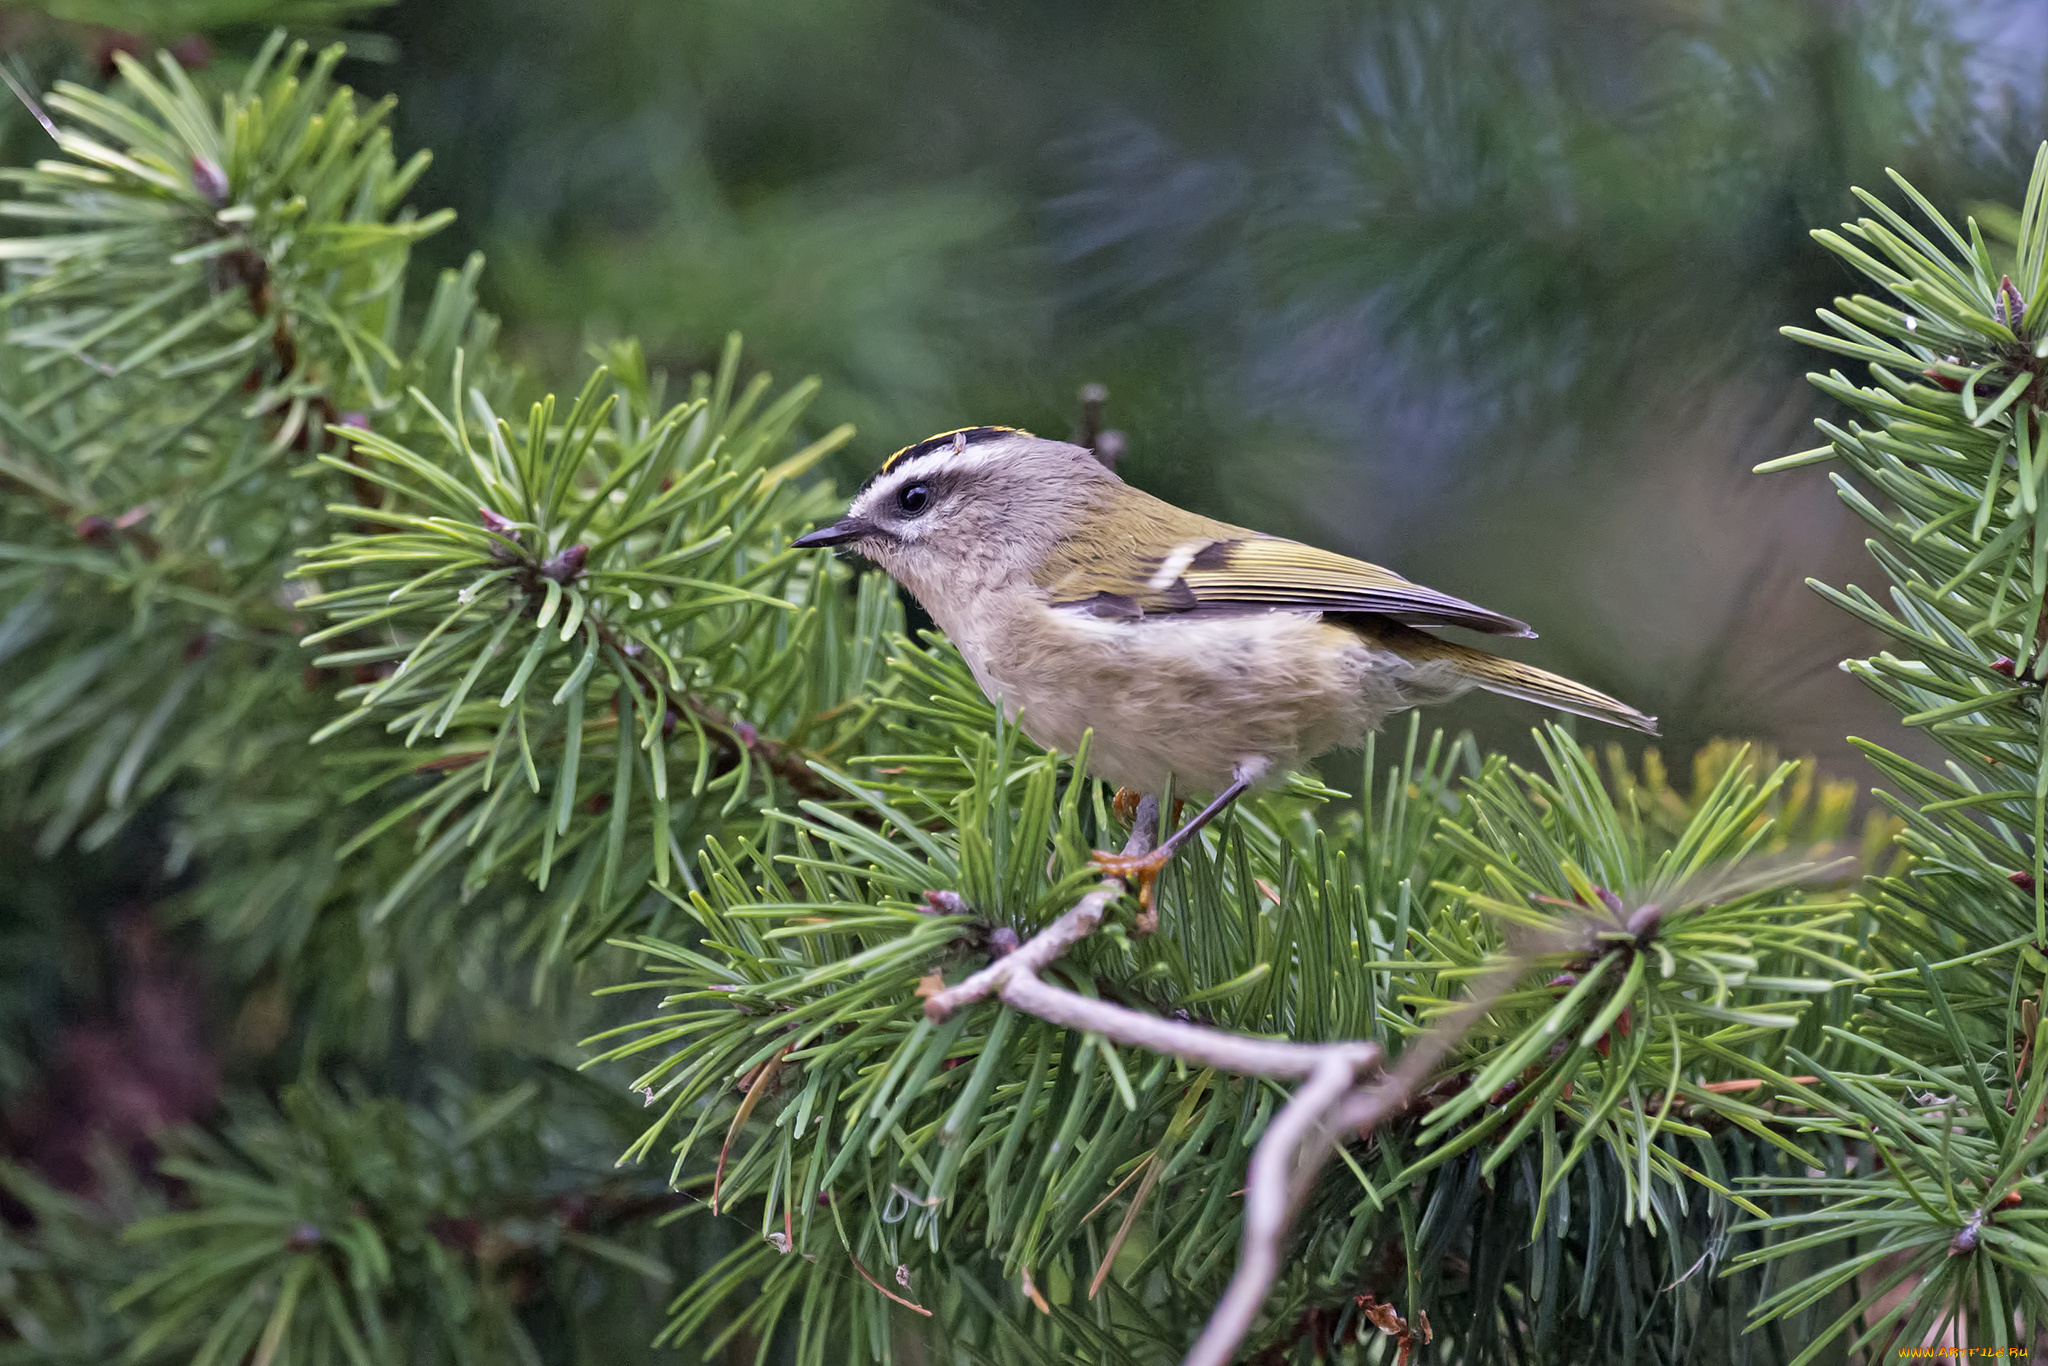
(779, 758)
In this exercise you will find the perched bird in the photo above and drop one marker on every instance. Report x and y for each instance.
(1194, 649)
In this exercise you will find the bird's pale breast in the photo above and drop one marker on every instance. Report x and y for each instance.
(1190, 697)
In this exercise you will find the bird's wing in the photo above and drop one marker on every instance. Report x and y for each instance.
(1248, 572)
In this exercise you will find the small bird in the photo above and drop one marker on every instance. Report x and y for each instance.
(1195, 650)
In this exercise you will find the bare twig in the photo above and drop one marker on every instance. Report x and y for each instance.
(1290, 1154)
(1295, 1145)
(1030, 957)
(1227, 1052)
(1285, 1163)
(1364, 1109)
(1038, 952)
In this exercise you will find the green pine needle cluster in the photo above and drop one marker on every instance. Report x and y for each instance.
(593, 852)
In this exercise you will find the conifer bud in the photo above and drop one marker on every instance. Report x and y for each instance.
(1954, 386)
(503, 549)
(2011, 307)
(210, 180)
(566, 567)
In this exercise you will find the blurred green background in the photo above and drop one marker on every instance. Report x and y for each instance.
(1486, 290)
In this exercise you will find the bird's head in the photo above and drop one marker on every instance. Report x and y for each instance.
(965, 511)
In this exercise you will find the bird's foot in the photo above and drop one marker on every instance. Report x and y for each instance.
(1139, 871)
(1125, 806)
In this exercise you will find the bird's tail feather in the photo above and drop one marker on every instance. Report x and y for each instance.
(1512, 679)
(1544, 688)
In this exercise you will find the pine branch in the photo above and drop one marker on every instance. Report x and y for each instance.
(857, 933)
(188, 330)
(618, 561)
(1941, 1080)
(373, 1231)
(1293, 1147)
(291, 309)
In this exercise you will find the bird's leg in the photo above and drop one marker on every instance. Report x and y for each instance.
(1128, 802)
(1144, 869)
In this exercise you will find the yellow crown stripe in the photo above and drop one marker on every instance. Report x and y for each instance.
(931, 443)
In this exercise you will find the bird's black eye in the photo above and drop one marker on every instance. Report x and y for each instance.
(914, 498)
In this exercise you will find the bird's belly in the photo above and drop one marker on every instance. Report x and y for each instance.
(1189, 698)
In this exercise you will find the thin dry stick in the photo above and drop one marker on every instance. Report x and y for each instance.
(1300, 1138)
(1291, 1153)
(1215, 1048)
(1038, 952)
(1013, 979)
(1288, 1155)
(1029, 958)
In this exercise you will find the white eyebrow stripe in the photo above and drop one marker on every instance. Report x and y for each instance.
(944, 461)
(1175, 564)
(980, 455)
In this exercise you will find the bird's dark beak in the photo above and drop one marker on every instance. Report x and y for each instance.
(839, 533)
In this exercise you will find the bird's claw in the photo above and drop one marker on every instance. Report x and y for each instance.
(1139, 871)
